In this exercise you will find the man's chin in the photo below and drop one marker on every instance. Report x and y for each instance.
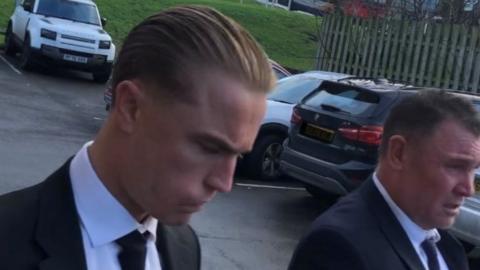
(446, 223)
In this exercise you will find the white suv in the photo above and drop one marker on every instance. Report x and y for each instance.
(67, 32)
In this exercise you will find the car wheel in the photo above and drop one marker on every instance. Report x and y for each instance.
(321, 194)
(264, 160)
(102, 76)
(9, 43)
(26, 61)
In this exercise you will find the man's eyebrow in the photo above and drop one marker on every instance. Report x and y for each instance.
(221, 143)
(462, 158)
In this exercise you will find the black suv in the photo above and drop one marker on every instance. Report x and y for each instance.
(336, 131)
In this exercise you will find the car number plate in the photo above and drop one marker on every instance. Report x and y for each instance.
(319, 133)
(74, 58)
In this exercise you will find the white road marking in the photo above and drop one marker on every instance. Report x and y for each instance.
(269, 186)
(97, 118)
(10, 65)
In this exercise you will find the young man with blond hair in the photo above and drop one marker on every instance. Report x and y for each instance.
(189, 90)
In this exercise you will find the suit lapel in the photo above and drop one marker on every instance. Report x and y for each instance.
(176, 250)
(390, 226)
(448, 247)
(58, 231)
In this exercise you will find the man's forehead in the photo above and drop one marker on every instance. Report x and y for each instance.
(457, 141)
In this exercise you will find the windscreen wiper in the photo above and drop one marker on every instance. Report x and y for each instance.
(333, 108)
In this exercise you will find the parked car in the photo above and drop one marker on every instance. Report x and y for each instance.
(64, 32)
(279, 71)
(334, 138)
(264, 160)
(336, 131)
(314, 7)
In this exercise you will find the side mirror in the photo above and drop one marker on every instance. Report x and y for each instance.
(27, 6)
(104, 21)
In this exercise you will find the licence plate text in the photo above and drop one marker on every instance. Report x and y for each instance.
(319, 133)
(74, 58)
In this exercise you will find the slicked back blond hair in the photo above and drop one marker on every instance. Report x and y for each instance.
(170, 45)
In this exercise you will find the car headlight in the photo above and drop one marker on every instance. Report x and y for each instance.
(104, 44)
(45, 33)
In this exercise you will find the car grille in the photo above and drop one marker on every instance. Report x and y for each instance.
(91, 41)
(76, 53)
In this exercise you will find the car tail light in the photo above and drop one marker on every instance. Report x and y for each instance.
(366, 134)
(296, 118)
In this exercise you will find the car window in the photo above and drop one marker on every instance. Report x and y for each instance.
(70, 10)
(32, 2)
(344, 99)
(293, 89)
(279, 74)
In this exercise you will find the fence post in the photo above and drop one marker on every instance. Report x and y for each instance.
(320, 52)
(426, 53)
(420, 29)
(471, 54)
(398, 70)
(460, 59)
(361, 29)
(335, 42)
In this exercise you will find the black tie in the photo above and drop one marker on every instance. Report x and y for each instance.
(430, 249)
(134, 251)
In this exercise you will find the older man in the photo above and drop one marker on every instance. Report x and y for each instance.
(397, 219)
(189, 93)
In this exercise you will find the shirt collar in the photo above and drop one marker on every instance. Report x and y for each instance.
(414, 232)
(102, 216)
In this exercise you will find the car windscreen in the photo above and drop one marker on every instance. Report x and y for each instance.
(70, 10)
(343, 99)
(279, 74)
(293, 89)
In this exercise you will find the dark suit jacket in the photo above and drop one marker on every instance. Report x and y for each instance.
(39, 229)
(361, 232)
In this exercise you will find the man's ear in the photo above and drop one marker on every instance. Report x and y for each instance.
(128, 99)
(396, 153)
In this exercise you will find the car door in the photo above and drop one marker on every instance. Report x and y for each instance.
(22, 16)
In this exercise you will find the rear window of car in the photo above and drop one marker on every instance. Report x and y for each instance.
(343, 99)
(293, 89)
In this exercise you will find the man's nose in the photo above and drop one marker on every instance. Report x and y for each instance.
(221, 178)
(467, 186)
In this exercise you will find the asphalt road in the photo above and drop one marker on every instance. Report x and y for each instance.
(46, 117)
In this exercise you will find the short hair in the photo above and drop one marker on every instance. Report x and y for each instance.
(168, 46)
(418, 116)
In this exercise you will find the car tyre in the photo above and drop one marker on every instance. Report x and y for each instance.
(10, 48)
(264, 160)
(27, 61)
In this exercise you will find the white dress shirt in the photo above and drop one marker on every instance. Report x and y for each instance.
(103, 219)
(414, 232)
